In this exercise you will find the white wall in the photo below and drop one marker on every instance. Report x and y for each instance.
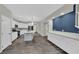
(5, 32)
(42, 28)
(47, 28)
(0, 34)
(38, 27)
(5, 12)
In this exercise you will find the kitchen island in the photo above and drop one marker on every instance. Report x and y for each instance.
(28, 36)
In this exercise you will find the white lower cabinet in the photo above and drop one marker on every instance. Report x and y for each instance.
(28, 36)
(14, 36)
(67, 44)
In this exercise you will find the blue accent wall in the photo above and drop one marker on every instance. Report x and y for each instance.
(57, 24)
(65, 22)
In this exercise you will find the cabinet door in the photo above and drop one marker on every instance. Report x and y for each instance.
(14, 36)
(5, 33)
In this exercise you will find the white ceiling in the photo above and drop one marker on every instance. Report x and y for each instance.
(32, 12)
